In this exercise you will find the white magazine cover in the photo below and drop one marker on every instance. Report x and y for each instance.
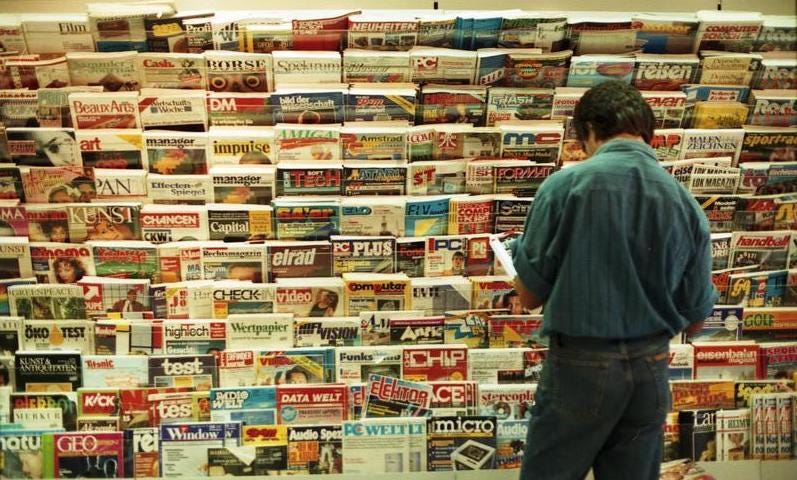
(394, 445)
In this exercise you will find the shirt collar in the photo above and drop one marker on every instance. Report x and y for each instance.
(626, 145)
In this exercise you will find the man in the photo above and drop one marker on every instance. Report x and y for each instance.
(620, 255)
(129, 304)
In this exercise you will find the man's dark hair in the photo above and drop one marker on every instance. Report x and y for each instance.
(613, 108)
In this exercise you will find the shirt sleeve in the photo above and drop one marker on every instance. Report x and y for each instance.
(534, 256)
(696, 294)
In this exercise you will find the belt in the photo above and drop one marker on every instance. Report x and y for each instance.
(570, 341)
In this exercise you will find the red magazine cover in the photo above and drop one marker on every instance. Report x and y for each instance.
(98, 402)
(321, 33)
(454, 397)
(13, 221)
(434, 362)
(87, 455)
(312, 404)
(726, 360)
(135, 407)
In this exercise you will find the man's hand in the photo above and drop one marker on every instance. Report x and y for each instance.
(693, 328)
(527, 298)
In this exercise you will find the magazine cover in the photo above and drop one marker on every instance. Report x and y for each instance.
(506, 104)
(365, 143)
(375, 291)
(246, 460)
(52, 302)
(236, 368)
(461, 443)
(65, 401)
(374, 178)
(510, 443)
(514, 331)
(239, 223)
(91, 111)
(142, 452)
(239, 72)
(455, 104)
(174, 110)
(692, 394)
(196, 371)
(42, 147)
(384, 445)
(302, 143)
(233, 262)
(436, 178)
(506, 365)
(313, 105)
(392, 397)
(16, 260)
(114, 371)
(410, 256)
(295, 366)
(239, 109)
(375, 325)
(356, 364)
(697, 434)
(768, 250)
(445, 255)
(314, 178)
(454, 398)
(372, 216)
(375, 32)
(295, 67)
(315, 450)
(285, 259)
(193, 337)
(436, 296)
(538, 143)
(591, 70)
(506, 402)
(331, 332)
(164, 223)
(85, 455)
(125, 260)
(249, 405)
(273, 330)
(172, 70)
(184, 446)
(416, 331)
(373, 66)
(311, 404)
(726, 360)
(393, 102)
(236, 298)
(47, 371)
(22, 454)
(120, 185)
(306, 219)
(176, 153)
(310, 297)
(362, 254)
(434, 362)
(733, 435)
(58, 184)
(111, 148)
(103, 222)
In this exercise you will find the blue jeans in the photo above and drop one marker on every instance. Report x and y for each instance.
(600, 404)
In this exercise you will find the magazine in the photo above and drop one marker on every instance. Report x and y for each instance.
(461, 443)
(392, 397)
(315, 450)
(384, 445)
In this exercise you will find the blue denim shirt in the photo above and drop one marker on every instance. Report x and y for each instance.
(616, 248)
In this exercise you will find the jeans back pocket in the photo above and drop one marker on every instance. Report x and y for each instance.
(578, 385)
